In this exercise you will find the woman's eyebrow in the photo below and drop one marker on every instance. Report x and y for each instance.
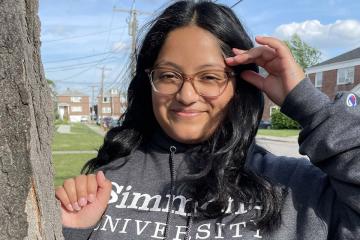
(168, 63)
(178, 67)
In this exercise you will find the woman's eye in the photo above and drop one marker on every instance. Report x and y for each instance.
(210, 77)
(167, 75)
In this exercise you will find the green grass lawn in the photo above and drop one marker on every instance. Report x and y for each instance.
(279, 132)
(81, 138)
(68, 165)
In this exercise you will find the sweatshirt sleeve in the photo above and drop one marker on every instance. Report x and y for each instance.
(330, 137)
(77, 233)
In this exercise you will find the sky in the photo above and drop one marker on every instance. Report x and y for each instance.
(79, 37)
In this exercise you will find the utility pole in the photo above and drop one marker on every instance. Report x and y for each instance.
(100, 104)
(133, 25)
(92, 103)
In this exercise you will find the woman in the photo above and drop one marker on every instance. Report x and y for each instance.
(184, 164)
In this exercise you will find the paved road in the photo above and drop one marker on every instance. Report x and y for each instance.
(280, 148)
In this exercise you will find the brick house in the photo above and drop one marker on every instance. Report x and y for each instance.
(341, 73)
(73, 105)
(112, 104)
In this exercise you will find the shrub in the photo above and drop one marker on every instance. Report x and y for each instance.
(281, 121)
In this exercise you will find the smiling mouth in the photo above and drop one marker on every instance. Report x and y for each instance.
(187, 113)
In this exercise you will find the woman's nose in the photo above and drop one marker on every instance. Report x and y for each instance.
(187, 94)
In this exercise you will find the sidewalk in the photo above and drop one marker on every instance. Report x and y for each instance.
(97, 129)
(64, 129)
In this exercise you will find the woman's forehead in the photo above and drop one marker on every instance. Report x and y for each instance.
(193, 46)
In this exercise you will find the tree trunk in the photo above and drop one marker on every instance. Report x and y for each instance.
(28, 209)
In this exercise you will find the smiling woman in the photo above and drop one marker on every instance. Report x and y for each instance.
(192, 112)
(184, 164)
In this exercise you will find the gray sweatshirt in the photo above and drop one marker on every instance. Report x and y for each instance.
(323, 199)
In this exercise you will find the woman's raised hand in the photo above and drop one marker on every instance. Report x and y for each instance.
(83, 199)
(275, 57)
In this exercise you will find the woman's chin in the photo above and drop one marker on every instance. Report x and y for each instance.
(188, 137)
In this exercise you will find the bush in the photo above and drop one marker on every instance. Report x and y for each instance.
(59, 121)
(281, 121)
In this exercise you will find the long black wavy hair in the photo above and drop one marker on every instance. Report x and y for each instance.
(220, 170)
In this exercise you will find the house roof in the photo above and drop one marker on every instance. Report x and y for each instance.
(72, 93)
(353, 54)
(356, 89)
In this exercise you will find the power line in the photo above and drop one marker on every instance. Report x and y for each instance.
(236, 3)
(76, 83)
(75, 66)
(81, 36)
(110, 26)
(77, 58)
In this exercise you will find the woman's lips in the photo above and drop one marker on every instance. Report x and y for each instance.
(190, 113)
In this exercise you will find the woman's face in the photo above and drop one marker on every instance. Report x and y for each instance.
(186, 116)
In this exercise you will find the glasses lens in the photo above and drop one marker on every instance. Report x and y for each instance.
(210, 83)
(166, 81)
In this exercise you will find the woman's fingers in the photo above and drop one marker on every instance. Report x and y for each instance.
(279, 46)
(81, 190)
(254, 78)
(92, 187)
(77, 192)
(104, 188)
(259, 55)
(70, 189)
(61, 194)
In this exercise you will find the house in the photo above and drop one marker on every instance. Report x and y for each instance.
(73, 105)
(112, 104)
(341, 73)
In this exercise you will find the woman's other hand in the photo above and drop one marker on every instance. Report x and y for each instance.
(83, 199)
(275, 57)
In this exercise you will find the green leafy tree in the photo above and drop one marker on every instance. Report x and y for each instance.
(304, 54)
(53, 94)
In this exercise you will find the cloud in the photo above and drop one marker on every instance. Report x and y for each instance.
(340, 34)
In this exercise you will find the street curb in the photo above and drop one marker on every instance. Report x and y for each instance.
(278, 139)
(74, 152)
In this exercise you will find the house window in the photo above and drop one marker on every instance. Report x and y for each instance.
(345, 75)
(114, 91)
(273, 109)
(106, 110)
(75, 99)
(76, 109)
(318, 79)
(106, 100)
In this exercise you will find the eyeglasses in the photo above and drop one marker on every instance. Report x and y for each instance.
(209, 83)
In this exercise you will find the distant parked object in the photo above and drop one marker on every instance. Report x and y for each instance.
(265, 124)
(115, 123)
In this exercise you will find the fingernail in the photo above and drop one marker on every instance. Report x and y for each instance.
(91, 198)
(101, 175)
(82, 202)
(69, 207)
(76, 206)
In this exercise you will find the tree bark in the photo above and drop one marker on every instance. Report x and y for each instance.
(28, 209)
